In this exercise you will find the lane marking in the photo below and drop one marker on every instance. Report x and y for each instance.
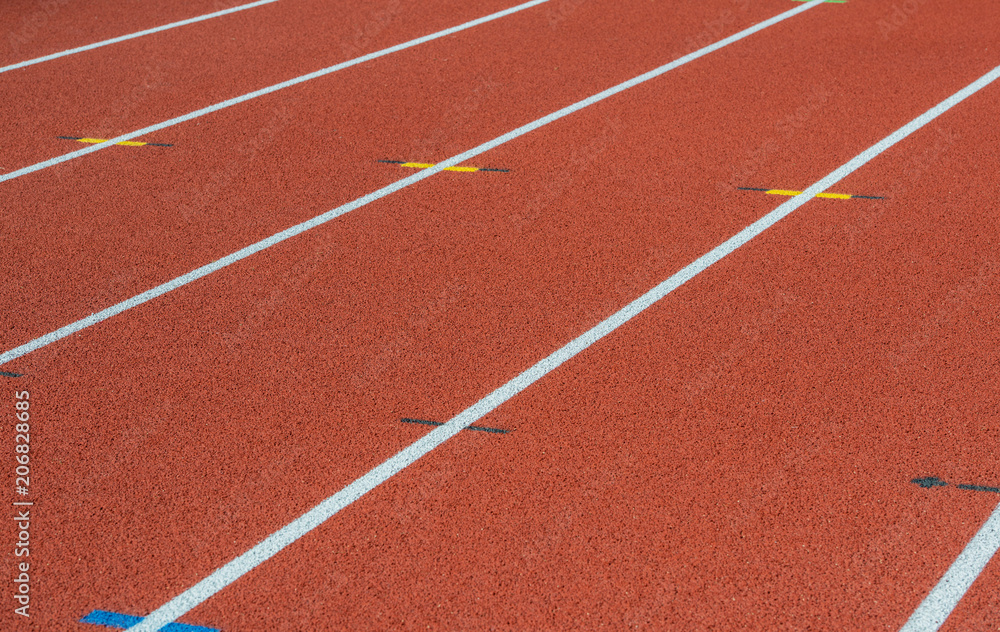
(264, 91)
(933, 481)
(930, 481)
(837, 196)
(932, 612)
(316, 516)
(130, 143)
(426, 165)
(978, 488)
(6, 374)
(277, 238)
(115, 40)
(407, 420)
(126, 621)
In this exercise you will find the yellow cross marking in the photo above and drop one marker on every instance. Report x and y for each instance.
(130, 143)
(424, 165)
(839, 196)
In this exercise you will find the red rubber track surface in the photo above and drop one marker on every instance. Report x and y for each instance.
(35, 29)
(737, 457)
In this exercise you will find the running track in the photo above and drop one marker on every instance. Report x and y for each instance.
(737, 456)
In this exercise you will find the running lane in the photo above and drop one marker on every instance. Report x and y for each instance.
(35, 28)
(78, 432)
(748, 442)
(128, 86)
(738, 457)
(240, 175)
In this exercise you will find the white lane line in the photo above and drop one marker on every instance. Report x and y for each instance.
(268, 90)
(329, 507)
(115, 40)
(932, 612)
(316, 516)
(180, 281)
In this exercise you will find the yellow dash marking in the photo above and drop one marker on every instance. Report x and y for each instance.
(424, 165)
(839, 196)
(130, 143)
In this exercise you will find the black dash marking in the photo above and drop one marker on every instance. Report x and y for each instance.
(392, 162)
(868, 197)
(485, 429)
(933, 481)
(6, 374)
(500, 170)
(977, 488)
(752, 189)
(70, 137)
(407, 420)
(930, 481)
(159, 144)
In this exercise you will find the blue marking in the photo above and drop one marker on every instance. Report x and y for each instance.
(126, 621)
